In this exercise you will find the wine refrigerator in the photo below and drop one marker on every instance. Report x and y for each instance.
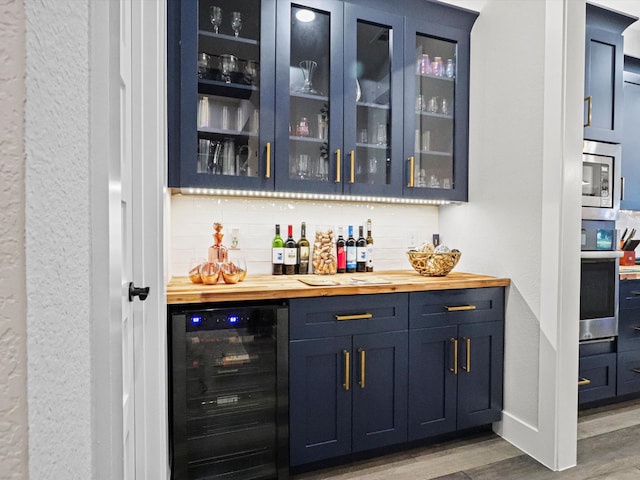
(228, 391)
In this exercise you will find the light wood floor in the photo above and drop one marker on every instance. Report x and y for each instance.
(608, 448)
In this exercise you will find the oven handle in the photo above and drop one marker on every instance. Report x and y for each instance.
(601, 255)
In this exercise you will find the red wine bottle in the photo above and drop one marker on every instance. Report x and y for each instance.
(290, 253)
(351, 252)
(361, 252)
(341, 252)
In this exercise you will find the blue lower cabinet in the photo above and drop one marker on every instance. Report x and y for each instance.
(597, 377)
(628, 372)
(455, 378)
(346, 394)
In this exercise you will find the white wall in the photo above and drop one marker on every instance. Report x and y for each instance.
(395, 227)
(58, 240)
(13, 301)
(522, 219)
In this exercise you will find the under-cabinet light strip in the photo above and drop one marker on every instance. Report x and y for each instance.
(309, 196)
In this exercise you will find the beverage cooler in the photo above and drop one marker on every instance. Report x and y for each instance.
(228, 396)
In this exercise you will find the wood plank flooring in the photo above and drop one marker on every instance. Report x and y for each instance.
(608, 449)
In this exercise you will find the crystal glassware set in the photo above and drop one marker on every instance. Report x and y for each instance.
(215, 15)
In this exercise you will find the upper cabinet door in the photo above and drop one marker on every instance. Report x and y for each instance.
(309, 96)
(373, 76)
(436, 121)
(604, 64)
(226, 81)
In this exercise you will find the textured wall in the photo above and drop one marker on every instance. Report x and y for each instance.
(394, 227)
(13, 328)
(58, 239)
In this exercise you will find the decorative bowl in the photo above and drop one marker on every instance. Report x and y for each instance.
(434, 264)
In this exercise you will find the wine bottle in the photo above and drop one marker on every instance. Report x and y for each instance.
(277, 253)
(361, 251)
(290, 253)
(369, 247)
(341, 252)
(351, 252)
(303, 251)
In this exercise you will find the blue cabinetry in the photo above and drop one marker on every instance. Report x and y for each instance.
(603, 74)
(630, 199)
(358, 97)
(628, 364)
(456, 360)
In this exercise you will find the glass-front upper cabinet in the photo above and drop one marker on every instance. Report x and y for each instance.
(226, 85)
(373, 43)
(436, 112)
(309, 97)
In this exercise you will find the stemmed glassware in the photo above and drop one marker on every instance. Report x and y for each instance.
(215, 15)
(236, 22)
(228, 64)
(308, 67)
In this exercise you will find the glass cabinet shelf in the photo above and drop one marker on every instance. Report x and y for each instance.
(229, 38)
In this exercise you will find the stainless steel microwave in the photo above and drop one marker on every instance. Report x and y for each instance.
(600, 181)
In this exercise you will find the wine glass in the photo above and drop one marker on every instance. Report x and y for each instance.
(236, 22)
(228, 64)
(215, 15)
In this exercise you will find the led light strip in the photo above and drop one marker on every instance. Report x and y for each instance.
(308, 196)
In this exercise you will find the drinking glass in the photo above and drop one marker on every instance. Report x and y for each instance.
(215, 15)
(382, 134)
(236, 22)
(449, 70)
(250, 71)
(228, 64)
(203, 65)
(432, 105)
(204, 155)
(303, 166)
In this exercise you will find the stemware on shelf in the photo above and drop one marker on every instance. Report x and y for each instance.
(215, 15)
(236, 22)
(308, 67)
(228, 65)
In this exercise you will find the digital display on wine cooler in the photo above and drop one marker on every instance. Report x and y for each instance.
(233, 319)
(196, 320)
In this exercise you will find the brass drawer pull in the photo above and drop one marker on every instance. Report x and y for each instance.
(359, 316)
(635, 370)
(352, 178)
(268, 172)
(589, 101)
(347, 367)
(338, 166)
(455, 356)
(411, 182)
(460, 308)
(362, 367)
(468, 366)
(583, 381)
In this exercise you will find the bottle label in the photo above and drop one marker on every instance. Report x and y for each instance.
(370, 256)
(277, 255)
(342, 258)
(304, 254)
(361, 253)
(351, 257)
(290, 256)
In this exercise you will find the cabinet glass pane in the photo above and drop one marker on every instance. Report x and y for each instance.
(309, 95)
(434, 111)
(373, 106)
(228, 107)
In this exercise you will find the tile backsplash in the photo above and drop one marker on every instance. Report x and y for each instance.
(628, 219)
(395, 227)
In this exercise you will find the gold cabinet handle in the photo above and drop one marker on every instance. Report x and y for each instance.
(460, 308)
(358, 316)
(467, 368)
(455, 356)
(347, 368)
(362, 367)
(411, 176)
(268, 171)
(589, 101)
(338, 166)
(583, 381)
(352, 178)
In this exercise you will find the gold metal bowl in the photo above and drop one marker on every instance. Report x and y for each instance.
(210, 273)
(434, 264)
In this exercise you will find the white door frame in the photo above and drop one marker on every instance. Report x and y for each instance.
(151, 420)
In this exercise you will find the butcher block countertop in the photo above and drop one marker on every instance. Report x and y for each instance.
(268, 287)
(629, 272)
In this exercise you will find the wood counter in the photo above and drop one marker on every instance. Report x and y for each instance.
(629, 272)
(263, 287)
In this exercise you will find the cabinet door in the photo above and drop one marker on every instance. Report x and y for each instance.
(309, 96)
(628, 372)
(597, 377)
(432, 381)
(379, 390)
(320, 383)
(480, 353)
(603, 85)
(225, 117)
(373, 75)
(436, 111)
(630, 199)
